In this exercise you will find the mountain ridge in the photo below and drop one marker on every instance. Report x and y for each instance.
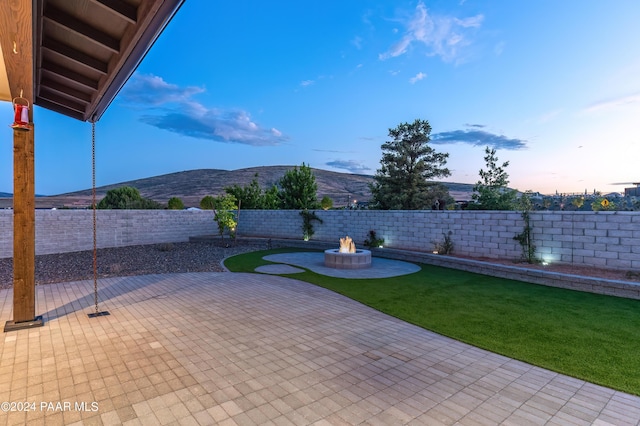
(192, 185)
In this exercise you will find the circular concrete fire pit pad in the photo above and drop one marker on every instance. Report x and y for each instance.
(314, 261)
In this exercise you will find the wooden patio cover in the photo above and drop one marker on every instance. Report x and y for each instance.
(71, 57)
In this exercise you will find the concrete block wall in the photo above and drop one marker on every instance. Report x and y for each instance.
(59, 231)
(603, 239)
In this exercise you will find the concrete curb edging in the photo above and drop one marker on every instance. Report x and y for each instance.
(617, 288)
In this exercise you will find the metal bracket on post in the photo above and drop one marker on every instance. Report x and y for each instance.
(21, 325)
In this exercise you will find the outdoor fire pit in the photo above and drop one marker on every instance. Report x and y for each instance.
(347, 257)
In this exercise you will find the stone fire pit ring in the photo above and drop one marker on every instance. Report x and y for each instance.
(361, 259)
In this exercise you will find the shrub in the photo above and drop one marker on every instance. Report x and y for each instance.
(326, 203)
(446, 245)
(127, 197)
(525, 239)
(373, 241)
(175, 203)
(307, 226)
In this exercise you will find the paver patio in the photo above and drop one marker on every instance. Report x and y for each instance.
(227, 348)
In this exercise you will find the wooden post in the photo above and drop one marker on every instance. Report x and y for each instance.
(24, 234)
(16, 36)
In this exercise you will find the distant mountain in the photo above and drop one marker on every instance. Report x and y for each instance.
(5, 195)
(191, 185)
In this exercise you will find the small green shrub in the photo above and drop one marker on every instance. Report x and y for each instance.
(373, 241)
(446, 245)
(307, 225)
(175, 203)
(525, 238)
(326, 203)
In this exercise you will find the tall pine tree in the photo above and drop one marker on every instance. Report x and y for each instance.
(491, 192)
(299, 189)
(408, 166)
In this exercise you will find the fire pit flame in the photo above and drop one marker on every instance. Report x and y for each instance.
(347, 245)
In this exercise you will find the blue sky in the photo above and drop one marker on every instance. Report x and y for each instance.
(553, 85)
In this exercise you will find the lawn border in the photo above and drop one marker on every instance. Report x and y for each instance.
(595, 285)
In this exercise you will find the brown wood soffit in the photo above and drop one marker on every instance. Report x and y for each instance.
(85, 50)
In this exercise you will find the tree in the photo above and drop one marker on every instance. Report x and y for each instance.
(207, 202)
(126, 197)
(326, 203)
(223, 214)
(299, 189)
(271, 200)
(175, 203)
(408, 165)
(250, 196)
(578, 202)
(491, 191)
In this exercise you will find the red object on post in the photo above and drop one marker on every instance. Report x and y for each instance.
(21, 116)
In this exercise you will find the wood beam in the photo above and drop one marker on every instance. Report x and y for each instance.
(63, 19)
(125, 10)
(52, 106)
(66, 90)
(17, 46)
(69, 75)
(51, 96)
(134, 44)
(76, 56)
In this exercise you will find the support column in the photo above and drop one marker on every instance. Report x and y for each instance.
(24, 233)
(16, 37)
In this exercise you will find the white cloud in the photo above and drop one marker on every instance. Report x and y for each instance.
(153, 90)
(417, 78)
(350, 165)
(306, 83)
(444, 36)
(619, 102)
(175, 111)
(357, 42)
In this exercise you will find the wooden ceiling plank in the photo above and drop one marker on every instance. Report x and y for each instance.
(133, 44)
(82, 29)
(69, 75)
(124, 10)
(16, 27)
(51, 96)
(74, 55)
(65, 90)
(60, 109)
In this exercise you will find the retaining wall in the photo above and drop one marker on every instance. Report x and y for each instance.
(603, 239)
(59, 231)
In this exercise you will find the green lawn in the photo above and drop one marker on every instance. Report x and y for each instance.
(588, 336)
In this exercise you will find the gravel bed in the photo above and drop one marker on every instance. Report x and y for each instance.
(132, 260)
(201, 257)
